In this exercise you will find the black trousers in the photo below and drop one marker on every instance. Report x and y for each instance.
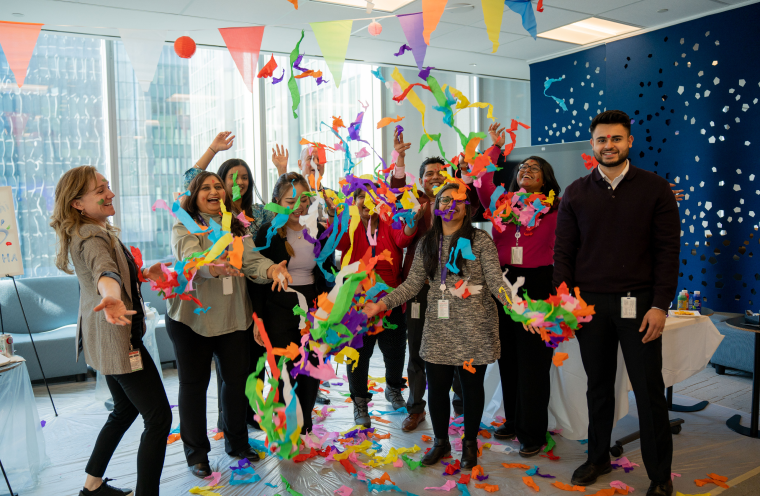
(283, 328)
(392, 344)
(415, 368)
(598, 342)
(439, 384)
(136, 393)
(525, 363)
(194, 353)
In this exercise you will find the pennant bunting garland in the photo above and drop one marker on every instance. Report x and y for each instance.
(18, 40)
(244, 45)
(525, 9)
(432, 10)
(332, 38)
(144, 47)
(412, 25)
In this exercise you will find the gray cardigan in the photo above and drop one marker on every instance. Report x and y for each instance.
(106, 346)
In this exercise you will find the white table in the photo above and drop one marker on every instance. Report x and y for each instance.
(687, 346)
(22, 443)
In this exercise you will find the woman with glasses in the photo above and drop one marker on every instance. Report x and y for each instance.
(460, 334)
(525, 368)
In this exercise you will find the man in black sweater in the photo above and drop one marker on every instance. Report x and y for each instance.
(618, 240)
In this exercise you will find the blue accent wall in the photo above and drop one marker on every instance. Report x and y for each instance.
(694, 92)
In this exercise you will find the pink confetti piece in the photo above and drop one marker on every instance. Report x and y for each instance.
(160, 203)
(673, 475)
(344, 491)
(215, 477)
(398, 463)
(450, 484)
(621, 485)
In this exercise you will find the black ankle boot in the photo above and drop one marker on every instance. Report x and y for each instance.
(469, 454)
(440, 449)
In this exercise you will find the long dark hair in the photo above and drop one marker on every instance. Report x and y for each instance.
(285, 182)
(547, 173)
(246, 201)
(190, 204)
(430, 256)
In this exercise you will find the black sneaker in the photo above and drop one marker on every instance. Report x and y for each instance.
(586, 474)
(505, 431)
(106, 489)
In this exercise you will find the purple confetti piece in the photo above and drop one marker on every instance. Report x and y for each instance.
(482, 477)
(425, 73)
(404, 48)
(296, 64)
(276, 80)
(320, 80)
(547, 476)
(42, 423)
(399, 129)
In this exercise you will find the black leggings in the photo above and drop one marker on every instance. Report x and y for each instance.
(194, 353)
(439, 379)
(136, 393)
(392, 344)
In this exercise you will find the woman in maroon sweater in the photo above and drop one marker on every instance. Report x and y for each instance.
(525, 359)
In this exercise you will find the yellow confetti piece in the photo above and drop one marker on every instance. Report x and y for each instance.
(355, 219)
(349, 354)
(226, 218)
(217, 249)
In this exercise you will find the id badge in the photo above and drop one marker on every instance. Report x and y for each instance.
(443, 309)
(415, 310)
(628, 308)
(227, 285)
(517, 255)
(135, 360)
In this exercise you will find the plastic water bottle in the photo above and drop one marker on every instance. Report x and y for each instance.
(683, 300)
(697, 301)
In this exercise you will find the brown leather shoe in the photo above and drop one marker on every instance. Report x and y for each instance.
(412, 421)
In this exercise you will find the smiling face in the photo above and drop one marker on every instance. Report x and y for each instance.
(97, 203)
(310, 163)
(363, 211)
(288, 200)
(432, 178)
(611, 144)
(242, 178)
(445, 202)
(210, 196)
(529, 176)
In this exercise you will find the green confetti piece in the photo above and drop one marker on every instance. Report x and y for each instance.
(388, 325)
(235, 188)
(292, 492)
(411, 463)
(550, 443)
(292, 84)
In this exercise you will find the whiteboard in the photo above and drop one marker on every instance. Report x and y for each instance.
(11, 262)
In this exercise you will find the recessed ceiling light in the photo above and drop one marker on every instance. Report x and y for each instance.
(662, 11)
(381, 5)
(18, 14)
(588, 31)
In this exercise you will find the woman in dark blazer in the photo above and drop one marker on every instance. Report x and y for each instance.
(109, 281)
(291, 244)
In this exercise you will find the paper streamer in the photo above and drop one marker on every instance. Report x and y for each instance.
(292, 85)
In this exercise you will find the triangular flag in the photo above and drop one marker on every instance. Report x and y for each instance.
(244, 45)
(493, 13)
(143, 48)
(432, 10)
(525, 9)
(412, 25)
(332, 38)
(18, 40)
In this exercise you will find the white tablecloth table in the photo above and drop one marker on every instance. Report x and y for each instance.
(22, 443)
(687, 345)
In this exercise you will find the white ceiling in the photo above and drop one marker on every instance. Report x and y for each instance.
(460, 42)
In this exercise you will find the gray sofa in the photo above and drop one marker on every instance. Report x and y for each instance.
(737, 348)
(51, 305)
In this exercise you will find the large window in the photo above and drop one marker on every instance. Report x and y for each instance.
(82, 105)
(55, 122)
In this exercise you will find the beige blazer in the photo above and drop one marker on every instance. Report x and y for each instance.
(106, 346)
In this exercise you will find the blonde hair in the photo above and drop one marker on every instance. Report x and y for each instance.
(66, 220)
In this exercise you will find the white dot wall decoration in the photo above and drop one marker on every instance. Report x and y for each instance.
(716, 81)
(737, 187)
(742, 82)
(680, 90)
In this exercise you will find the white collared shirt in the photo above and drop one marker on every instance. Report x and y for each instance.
(614, 183)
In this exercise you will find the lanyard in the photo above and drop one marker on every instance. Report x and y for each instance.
(517, 235)
(444, 269)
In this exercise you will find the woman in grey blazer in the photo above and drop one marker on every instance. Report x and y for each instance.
(222, 329)
(110, 295)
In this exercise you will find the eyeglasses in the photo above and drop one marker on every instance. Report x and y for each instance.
(445, 200)
(531, 168)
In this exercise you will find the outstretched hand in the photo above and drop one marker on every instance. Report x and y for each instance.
(280, 275)
(115, 311)
(371, 309)
(223, 141)
(154, 272)
(498, 136)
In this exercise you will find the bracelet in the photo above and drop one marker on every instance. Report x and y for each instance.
(212, 150)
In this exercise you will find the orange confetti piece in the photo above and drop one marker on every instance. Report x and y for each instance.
(489, 488)
(716, 479)
(468, 365)
(310, 73)
(292, 351)
(337, 123)
(558, 358)
(426, 438)
(381, 480)
(529, 482)
(375, 435)
(218, 436)
(485, 434)
(388, 120)
(268, 69)
(380, 419)
(476, 471)
(348, 400)
(173, 438)
(236, 255)
(568, 487)
(515, 465)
